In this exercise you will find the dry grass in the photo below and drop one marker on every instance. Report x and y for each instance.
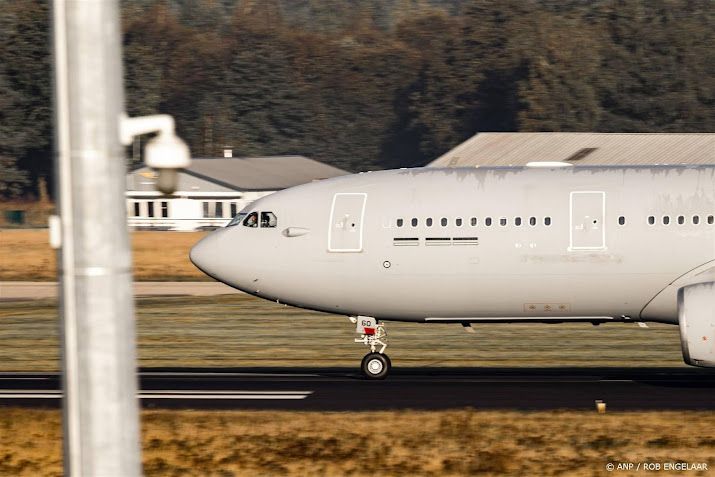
(165, 256)
(240, 330)
(395, 443)
(26, 255)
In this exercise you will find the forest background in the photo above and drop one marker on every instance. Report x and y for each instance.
(371, 84)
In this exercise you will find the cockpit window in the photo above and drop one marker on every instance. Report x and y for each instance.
(237, 219)
(268, 219)
(251, 220)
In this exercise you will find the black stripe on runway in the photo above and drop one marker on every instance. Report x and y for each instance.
(342, 389)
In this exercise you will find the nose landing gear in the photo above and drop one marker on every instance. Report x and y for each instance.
(375, 364)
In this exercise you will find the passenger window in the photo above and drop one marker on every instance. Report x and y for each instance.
(414, 222)
(696, 219)
(400, 222)
(532, 221)
(428, 222)
(621, 220)
(268, 220)
(681, 220)
(473, 221)
(666, 220)
(502, 221)
(458, 222)
(710, 219)
(488, 221)
(547, 221)
(251, 220)
(651, 220)
(237, 219)
(444, 221)
(517, 221)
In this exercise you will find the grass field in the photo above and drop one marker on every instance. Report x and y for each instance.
(26, 255)
(240, 330)
(395, 443)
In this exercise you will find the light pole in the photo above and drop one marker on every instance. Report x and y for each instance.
(101, 420)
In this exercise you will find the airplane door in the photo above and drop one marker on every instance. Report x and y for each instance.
(588, 227)
(346, 220)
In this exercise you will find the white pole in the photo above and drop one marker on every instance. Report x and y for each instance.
(99, 364)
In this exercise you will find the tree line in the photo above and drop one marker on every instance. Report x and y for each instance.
(370, 84)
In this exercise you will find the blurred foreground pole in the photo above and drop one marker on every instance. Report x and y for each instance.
(99, 370)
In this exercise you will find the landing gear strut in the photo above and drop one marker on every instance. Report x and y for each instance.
(376, 364)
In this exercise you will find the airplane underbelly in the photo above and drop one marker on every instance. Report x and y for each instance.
(513, 296)
(416, 296)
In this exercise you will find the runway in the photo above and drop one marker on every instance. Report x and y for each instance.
(342, 389)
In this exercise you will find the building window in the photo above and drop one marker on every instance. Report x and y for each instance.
(444, 221)
(458, 222)
(473, 221)
(150, 208)
(429, 222)
(137, 209)
(488, 221)
(621, 220)
(532, 221)
(164, 209)
(219, 209)
(206, 210)
(400, 222)
(651, 220)
(234, 209)
(547, 221)
(414, 222)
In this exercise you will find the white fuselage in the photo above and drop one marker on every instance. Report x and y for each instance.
(486, 244)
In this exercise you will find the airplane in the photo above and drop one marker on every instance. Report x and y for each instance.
(541, 243)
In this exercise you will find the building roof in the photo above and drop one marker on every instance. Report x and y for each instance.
(253, 173)
(504, 149)
(262, 173)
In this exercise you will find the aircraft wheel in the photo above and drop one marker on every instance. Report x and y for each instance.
(375, 366)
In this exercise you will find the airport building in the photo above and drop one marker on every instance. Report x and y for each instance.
(212, 191)
(518, 149)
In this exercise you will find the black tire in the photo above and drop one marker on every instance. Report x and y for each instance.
(375, 366)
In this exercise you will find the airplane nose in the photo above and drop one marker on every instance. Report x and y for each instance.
(206, 255)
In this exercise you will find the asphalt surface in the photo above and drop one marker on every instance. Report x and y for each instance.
(342, 389)
(13, 290)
